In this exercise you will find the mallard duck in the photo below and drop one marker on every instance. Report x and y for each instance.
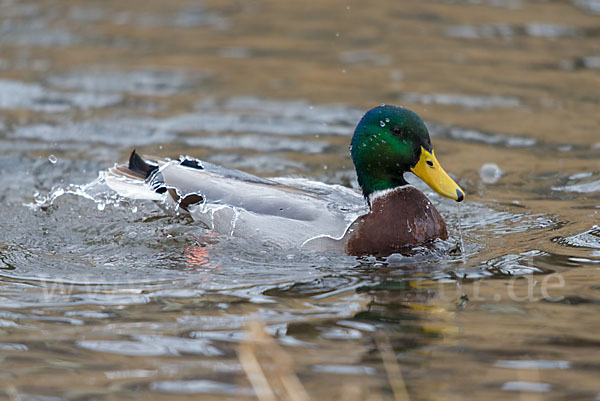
(389, 216)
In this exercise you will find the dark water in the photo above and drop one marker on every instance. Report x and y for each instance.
(103, 298)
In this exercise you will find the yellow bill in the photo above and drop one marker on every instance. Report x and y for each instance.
(429, 170)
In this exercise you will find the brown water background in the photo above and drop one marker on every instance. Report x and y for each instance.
(121, 300)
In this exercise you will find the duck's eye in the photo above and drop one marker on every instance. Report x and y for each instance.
(396, 130)
(429, 163)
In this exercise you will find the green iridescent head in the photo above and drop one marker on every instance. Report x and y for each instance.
(390, 141)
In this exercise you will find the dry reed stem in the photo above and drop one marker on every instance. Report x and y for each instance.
(268, 367)
(351, 391)
(391, 366)
(255, 374)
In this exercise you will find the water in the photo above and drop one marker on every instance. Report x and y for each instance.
(103, 297)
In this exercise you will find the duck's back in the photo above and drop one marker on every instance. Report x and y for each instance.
(284, 212)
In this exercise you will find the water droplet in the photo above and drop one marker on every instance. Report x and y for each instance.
(490, 173)
(387, 120)
(53, 159)
(383, 141)
(101, 206)
(382, 124)
(134, 209)
(131, 234)
(337, 34)
(364, 145)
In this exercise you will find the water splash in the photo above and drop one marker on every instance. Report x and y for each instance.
(460, 234)
(96, 191)
(234, 220)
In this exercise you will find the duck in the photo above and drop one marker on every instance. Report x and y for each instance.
(387, 215)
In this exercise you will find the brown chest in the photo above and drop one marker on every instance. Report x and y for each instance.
(399, 220)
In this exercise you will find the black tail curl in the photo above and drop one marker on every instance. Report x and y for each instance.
(138, 165)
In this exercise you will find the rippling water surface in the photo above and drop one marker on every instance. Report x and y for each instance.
(104, 298)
